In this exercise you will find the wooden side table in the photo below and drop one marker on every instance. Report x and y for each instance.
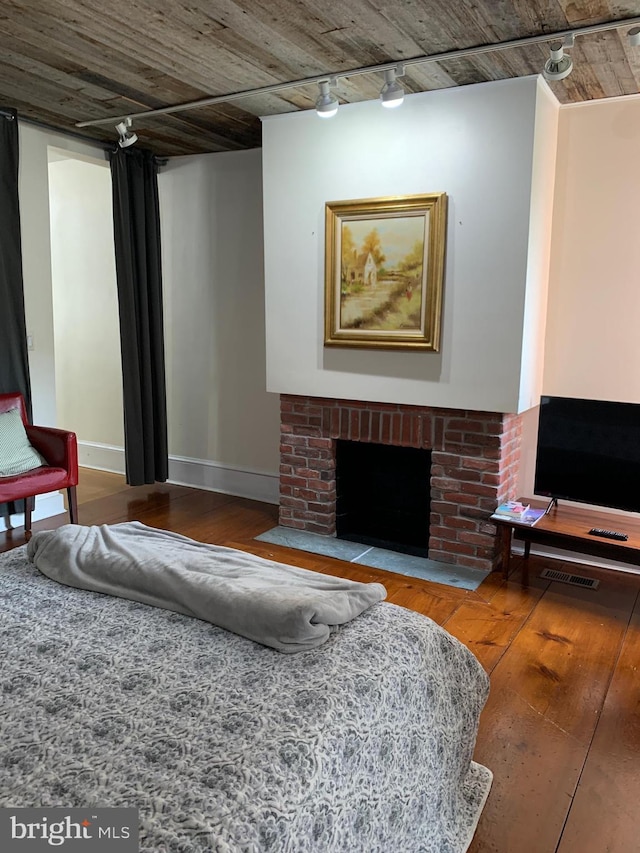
(567, 527)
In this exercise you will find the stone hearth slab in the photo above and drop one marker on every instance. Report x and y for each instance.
(377, 558)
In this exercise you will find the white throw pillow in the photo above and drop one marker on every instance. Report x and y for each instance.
(16, 454)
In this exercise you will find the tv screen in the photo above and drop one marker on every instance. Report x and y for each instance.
(589, 451)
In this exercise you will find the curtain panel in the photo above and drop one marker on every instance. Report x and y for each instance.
(14, 360)
(136, 217)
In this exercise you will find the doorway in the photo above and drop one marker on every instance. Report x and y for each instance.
(88, 371)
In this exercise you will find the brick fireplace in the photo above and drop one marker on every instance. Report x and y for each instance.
(474, 465)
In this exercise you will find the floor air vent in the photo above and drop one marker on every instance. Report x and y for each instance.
(565, 577)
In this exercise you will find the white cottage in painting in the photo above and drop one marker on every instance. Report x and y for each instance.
(362, 268)
(370, 271)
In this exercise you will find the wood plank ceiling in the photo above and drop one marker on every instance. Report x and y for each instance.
(68, 61)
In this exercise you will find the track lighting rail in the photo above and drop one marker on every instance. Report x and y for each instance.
(370, 69)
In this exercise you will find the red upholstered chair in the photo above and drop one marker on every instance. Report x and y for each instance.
(59, 448)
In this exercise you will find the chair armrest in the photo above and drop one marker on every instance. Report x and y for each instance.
(59, 448)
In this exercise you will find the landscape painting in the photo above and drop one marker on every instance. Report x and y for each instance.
(384, 269)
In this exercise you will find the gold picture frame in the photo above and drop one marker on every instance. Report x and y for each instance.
(384, 271)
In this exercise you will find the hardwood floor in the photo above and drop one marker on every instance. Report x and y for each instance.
(561, 729)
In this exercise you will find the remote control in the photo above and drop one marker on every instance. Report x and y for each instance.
(608, 534)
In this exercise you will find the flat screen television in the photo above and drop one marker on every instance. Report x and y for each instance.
(589, 451)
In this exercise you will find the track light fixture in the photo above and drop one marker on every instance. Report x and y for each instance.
(326, 103)
(634, 36)
(127, 137)
(392, 93)
(559, 65)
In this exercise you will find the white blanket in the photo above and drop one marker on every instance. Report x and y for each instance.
(287, 608)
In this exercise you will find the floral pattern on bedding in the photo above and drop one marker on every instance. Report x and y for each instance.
(363, 744)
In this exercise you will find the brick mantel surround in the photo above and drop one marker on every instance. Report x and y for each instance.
(474, 464)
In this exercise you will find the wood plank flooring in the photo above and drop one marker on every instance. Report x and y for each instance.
(561, 729)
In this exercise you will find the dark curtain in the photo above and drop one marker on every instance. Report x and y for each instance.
(14, 362)
(136, 219)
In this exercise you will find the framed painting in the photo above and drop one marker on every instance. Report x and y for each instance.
(384, 270)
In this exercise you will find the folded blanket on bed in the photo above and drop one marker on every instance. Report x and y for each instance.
(287, 608)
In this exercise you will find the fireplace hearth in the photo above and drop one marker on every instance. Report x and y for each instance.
(474, 464)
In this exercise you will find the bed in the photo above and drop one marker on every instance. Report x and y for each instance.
(364, 743)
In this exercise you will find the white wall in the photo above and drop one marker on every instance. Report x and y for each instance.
(33, 190)
(223, 425)
(85, 301)
(479, 144)
(219, 410)
(592, 348)
(538, 259)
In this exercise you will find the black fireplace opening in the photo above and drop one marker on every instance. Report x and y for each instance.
(383, 496)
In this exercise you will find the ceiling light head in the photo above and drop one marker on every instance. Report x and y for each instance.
(559, 65)
(634, 36)
(392, 93)
(127, 137)
(326, 103)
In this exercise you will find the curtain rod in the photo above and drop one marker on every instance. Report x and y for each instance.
(369, 69)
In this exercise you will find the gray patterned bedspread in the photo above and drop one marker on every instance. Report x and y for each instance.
(361, 745)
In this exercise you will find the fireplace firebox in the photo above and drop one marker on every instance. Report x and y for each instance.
(383, 495)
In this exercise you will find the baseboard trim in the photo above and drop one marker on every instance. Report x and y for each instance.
(102, 457)
(215, 477)
(46, 506)
(186, 471)
(576, 557)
